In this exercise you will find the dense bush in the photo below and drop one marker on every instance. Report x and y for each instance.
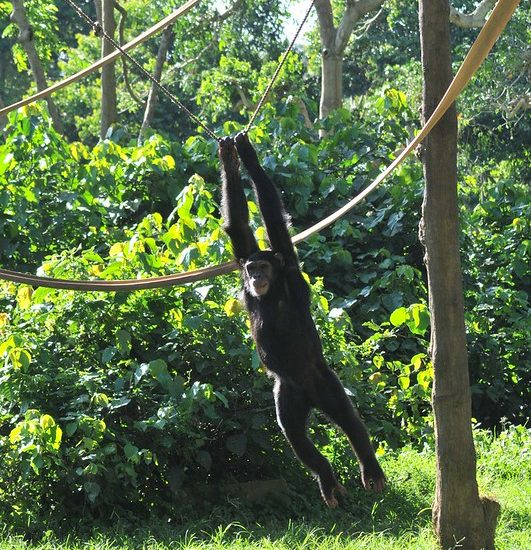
(116, 404)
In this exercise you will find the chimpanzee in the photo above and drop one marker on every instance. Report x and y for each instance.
(277, 299)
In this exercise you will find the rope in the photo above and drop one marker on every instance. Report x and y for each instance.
(479, 50)
(166, 22)
(98, 29)
(279, 67)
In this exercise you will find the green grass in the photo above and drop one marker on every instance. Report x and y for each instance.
(398, 519)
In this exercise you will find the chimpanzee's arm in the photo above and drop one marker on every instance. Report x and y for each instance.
(234, 203)
(269, 202)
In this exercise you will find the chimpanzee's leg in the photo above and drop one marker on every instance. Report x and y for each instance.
(331, 398)
(293, 409)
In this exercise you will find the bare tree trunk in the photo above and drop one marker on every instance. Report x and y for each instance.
(25, 37)
(108, 73)
(474, 19)
(165, 44)
(459, 515)
(331, 83)
(334, 40)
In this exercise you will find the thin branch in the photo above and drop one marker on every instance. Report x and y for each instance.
(474, 19)
(165, 44)
(367, 25)
(121, 41)
(354, 11)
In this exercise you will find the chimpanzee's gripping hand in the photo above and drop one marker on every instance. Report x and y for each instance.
(246, 151)
(228, 156)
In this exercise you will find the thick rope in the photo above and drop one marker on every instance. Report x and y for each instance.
(279, 67)
(161, 25)
(479, 50)
(98, 29)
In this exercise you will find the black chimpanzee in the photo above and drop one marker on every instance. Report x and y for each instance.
(278, 301)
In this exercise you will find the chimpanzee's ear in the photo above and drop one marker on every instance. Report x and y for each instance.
(242, 262)
(279, 258)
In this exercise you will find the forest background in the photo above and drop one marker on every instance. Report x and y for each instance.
(121, 404)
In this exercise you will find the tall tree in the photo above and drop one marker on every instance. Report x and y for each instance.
(460, 516)
(25, 37)
(334, 40)
(108, 73)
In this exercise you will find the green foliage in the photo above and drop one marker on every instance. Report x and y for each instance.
(86, 194)
(42, 15)
(121, 404)
(496, 237)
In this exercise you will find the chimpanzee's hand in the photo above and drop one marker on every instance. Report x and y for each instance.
(228, 155)
(246, 150)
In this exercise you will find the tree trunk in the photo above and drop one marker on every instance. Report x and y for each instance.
(334, 40)
(459, 515)
(108, 73)
(331, 83)
(164, 46)
(25, 37)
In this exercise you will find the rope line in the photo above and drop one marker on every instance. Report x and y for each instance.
(279, 67)
(98, 29)
(477, 53)
(161, 25)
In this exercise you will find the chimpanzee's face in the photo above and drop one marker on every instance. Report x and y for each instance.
(259, 275)
(261, 270)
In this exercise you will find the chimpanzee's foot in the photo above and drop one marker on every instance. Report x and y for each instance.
(337, 491)
(372, 477)
(330, 487)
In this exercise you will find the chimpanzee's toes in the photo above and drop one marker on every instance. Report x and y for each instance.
(331, 498)
(374, 480)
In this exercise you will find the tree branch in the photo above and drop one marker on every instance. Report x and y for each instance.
(327, 29)
(355, 10)
(165, 44)
(121, 41)
(26, 39)
(474, 19)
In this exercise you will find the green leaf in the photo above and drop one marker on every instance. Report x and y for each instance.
(108, 354)
(237, 444)
(123, 342)
(71, 428)
(131, 452)
(404, 382)
(159, 370)
(92, 490)
(419, 318)
(232, 307)
(398, 317)
(46, 422)
(119, 403)
(140, 372)
(204, 459)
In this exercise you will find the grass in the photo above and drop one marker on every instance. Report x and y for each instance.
(398, 519)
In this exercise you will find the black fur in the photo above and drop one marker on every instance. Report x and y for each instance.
(283, 329)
